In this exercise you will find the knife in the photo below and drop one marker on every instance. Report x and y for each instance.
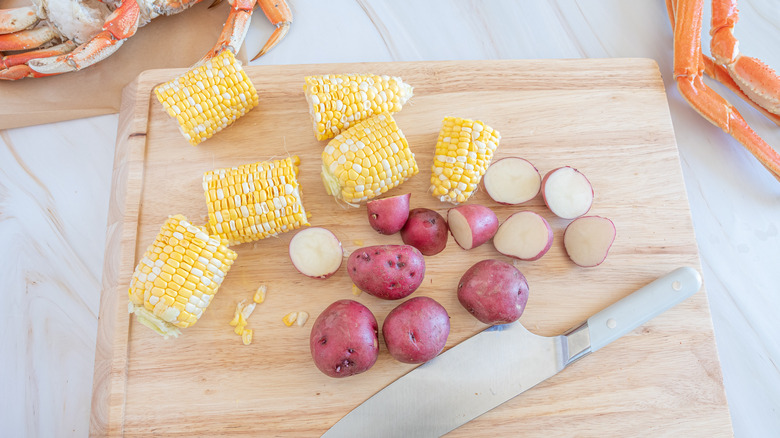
(499, 363)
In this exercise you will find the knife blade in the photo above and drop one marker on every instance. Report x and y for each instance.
(500, 363)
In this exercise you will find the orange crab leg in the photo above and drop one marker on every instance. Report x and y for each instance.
(235, 28)
(26, 39)
(720, 74)
(756, 79)
(688, 71)
(279, 15)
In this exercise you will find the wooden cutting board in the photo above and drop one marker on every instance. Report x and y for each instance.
(607, 117)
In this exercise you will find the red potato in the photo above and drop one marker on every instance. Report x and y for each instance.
(390, 272)
(588, 239)
(425, 230)
(416, 331)
(495, 292)
(344, 339)
(512, 180)
(388, 215)
(316, 252)
(472, 225)
(567, 192)
(525, 235)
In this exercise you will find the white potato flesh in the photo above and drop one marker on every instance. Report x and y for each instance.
(524, 235)
(316, 252)
(567, 193)
(460, 229)
(512, 180)
(588, 239)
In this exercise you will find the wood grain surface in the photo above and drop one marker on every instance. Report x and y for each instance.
(609, 118)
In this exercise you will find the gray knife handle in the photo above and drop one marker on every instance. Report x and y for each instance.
(642, 306)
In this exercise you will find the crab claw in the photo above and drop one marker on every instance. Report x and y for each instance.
(279, 15)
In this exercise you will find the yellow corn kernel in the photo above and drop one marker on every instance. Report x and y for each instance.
(166, 302)
(209, 97)
(240, 325)
(336, 102)
(356, 290)
(463, 153)
(290, 318)
(259, 296)
(300, 321)
(251, 201)
(342, 169)
(246, 336)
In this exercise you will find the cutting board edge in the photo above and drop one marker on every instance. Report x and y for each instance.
(111, 355)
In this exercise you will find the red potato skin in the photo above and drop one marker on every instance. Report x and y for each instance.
(544, 182)
(344, 339)
(425, 230)
(495, 292)
(390, 272)
(416, 331)
(388, 215)
(482, 220)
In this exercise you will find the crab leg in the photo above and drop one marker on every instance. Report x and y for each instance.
(16, 19)
(688, 72)
(755, 78)
(120, 25)
(27, 39)
(279, 15)
(235, 28)
(719, 73)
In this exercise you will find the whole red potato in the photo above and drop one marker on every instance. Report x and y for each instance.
(425, 230)
(495, 292)
(416, 331)
(344, 339)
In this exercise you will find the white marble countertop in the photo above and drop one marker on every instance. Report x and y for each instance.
(55, 183)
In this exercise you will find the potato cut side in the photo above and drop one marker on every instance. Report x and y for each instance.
(460, 229)
(567, 192)
(512, 180)
(588, 239)
(524, 235)
(316, 252)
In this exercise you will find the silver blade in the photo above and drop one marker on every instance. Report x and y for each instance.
(461, 384)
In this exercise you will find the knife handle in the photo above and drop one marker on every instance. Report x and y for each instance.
(642, 306)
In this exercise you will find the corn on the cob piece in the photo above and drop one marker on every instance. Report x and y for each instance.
(178, 276)
(367, 160)
(338, 101)
(464, 150)
(208, 98)
(254, 201)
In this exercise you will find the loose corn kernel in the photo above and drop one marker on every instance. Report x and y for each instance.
(356, 290)
(337, 102)
(254, 201)
(166, 302)
(463, 153)
(302, 318)
(209, 97)
(241, 324)
(290, 318)
(260, 294)
(246, 336)
(342, 166)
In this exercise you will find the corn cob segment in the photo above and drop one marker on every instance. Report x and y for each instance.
(464, 150)
(254, 201)
(208, 98)
(336, 102)
(178, 276)
(367, 160)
